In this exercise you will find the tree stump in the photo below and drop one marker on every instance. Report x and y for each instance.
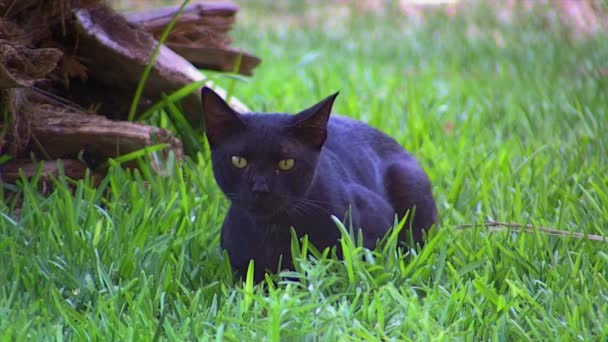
(69, 70)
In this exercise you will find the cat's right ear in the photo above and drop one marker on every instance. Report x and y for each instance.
(221, 121)
(311, 123)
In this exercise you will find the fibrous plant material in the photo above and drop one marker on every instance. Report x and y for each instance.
(23, 67)
(54, 127)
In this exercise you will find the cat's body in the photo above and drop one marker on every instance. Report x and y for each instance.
(338, 163)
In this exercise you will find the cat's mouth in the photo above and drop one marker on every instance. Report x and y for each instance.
(267, 209)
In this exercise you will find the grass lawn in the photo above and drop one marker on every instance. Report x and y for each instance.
(508, 119)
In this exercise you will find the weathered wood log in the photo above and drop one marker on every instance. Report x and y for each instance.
(68, 133)
(117, 55)
(70, 101)
(221, 59)
(200, 35)
(63, 131)
(11, 171)
(154, 21)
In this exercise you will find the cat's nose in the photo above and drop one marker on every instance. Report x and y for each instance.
(260, 185)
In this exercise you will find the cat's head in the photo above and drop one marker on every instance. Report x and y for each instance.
(264, 162)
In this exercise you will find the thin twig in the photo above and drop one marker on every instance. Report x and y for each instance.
(37, 142)
(56, 99)
(10, 7)
(500, 226)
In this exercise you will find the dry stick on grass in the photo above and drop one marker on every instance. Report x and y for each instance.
(500, 226)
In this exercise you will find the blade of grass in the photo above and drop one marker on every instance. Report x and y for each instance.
(135, 154)
(172, 98)
(144, 77)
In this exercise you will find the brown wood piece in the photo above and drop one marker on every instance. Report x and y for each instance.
(117, 55)
(11, 171)
(216, 58)
(52, 95)
(61, 132)
(162, 16)
(206, 23)
(200, 34)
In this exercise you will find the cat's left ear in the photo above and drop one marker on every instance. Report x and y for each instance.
(221, 121)
(311, 124)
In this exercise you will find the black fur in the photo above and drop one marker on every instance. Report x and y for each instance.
(339, 162)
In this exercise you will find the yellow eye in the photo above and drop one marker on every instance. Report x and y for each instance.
(286, 164)
(239, 162)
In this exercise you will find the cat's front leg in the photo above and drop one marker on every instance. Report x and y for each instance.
(235, 241)
(245, 239)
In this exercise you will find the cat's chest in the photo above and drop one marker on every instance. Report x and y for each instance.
(246, 239)
(271, 235)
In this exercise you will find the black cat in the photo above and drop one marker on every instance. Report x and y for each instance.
(285, 170)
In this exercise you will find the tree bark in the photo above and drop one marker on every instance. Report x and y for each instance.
(69, 70)
(200, 35)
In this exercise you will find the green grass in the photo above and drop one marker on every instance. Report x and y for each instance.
(516, 133)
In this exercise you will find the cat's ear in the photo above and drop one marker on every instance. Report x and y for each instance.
(311, 124)
(221, 121)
